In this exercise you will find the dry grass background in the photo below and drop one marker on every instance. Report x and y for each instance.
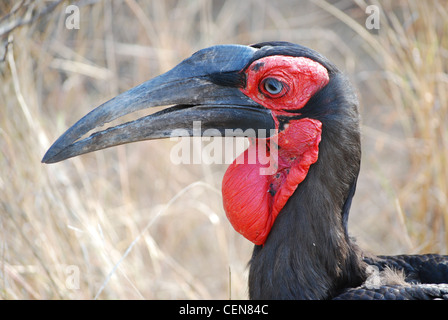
(126, 223)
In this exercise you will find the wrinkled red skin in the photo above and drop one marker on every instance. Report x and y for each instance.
(253, 196)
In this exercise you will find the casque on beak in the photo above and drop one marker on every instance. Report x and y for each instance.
(204, 87)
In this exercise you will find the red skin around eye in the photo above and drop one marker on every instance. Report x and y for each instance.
(302, 77)
(253, 198)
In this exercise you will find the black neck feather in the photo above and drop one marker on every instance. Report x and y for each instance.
(308, 254)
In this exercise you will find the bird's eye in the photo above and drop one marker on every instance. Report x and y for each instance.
(272, 86)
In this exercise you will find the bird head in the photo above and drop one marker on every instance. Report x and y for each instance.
(277, 89)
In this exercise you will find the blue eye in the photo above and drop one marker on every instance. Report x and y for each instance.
(272, 86)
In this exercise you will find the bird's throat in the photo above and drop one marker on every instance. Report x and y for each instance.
(257, 185)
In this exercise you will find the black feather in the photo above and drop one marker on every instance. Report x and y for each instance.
(228, 79)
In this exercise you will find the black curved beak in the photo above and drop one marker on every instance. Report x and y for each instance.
(202, 88)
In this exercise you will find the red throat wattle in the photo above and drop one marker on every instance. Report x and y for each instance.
(257, 185)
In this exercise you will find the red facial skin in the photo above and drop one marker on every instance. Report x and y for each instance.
(253, 196)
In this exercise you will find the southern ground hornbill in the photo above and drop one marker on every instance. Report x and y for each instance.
(295, 206)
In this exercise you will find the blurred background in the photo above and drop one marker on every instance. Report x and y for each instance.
(126, 223)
